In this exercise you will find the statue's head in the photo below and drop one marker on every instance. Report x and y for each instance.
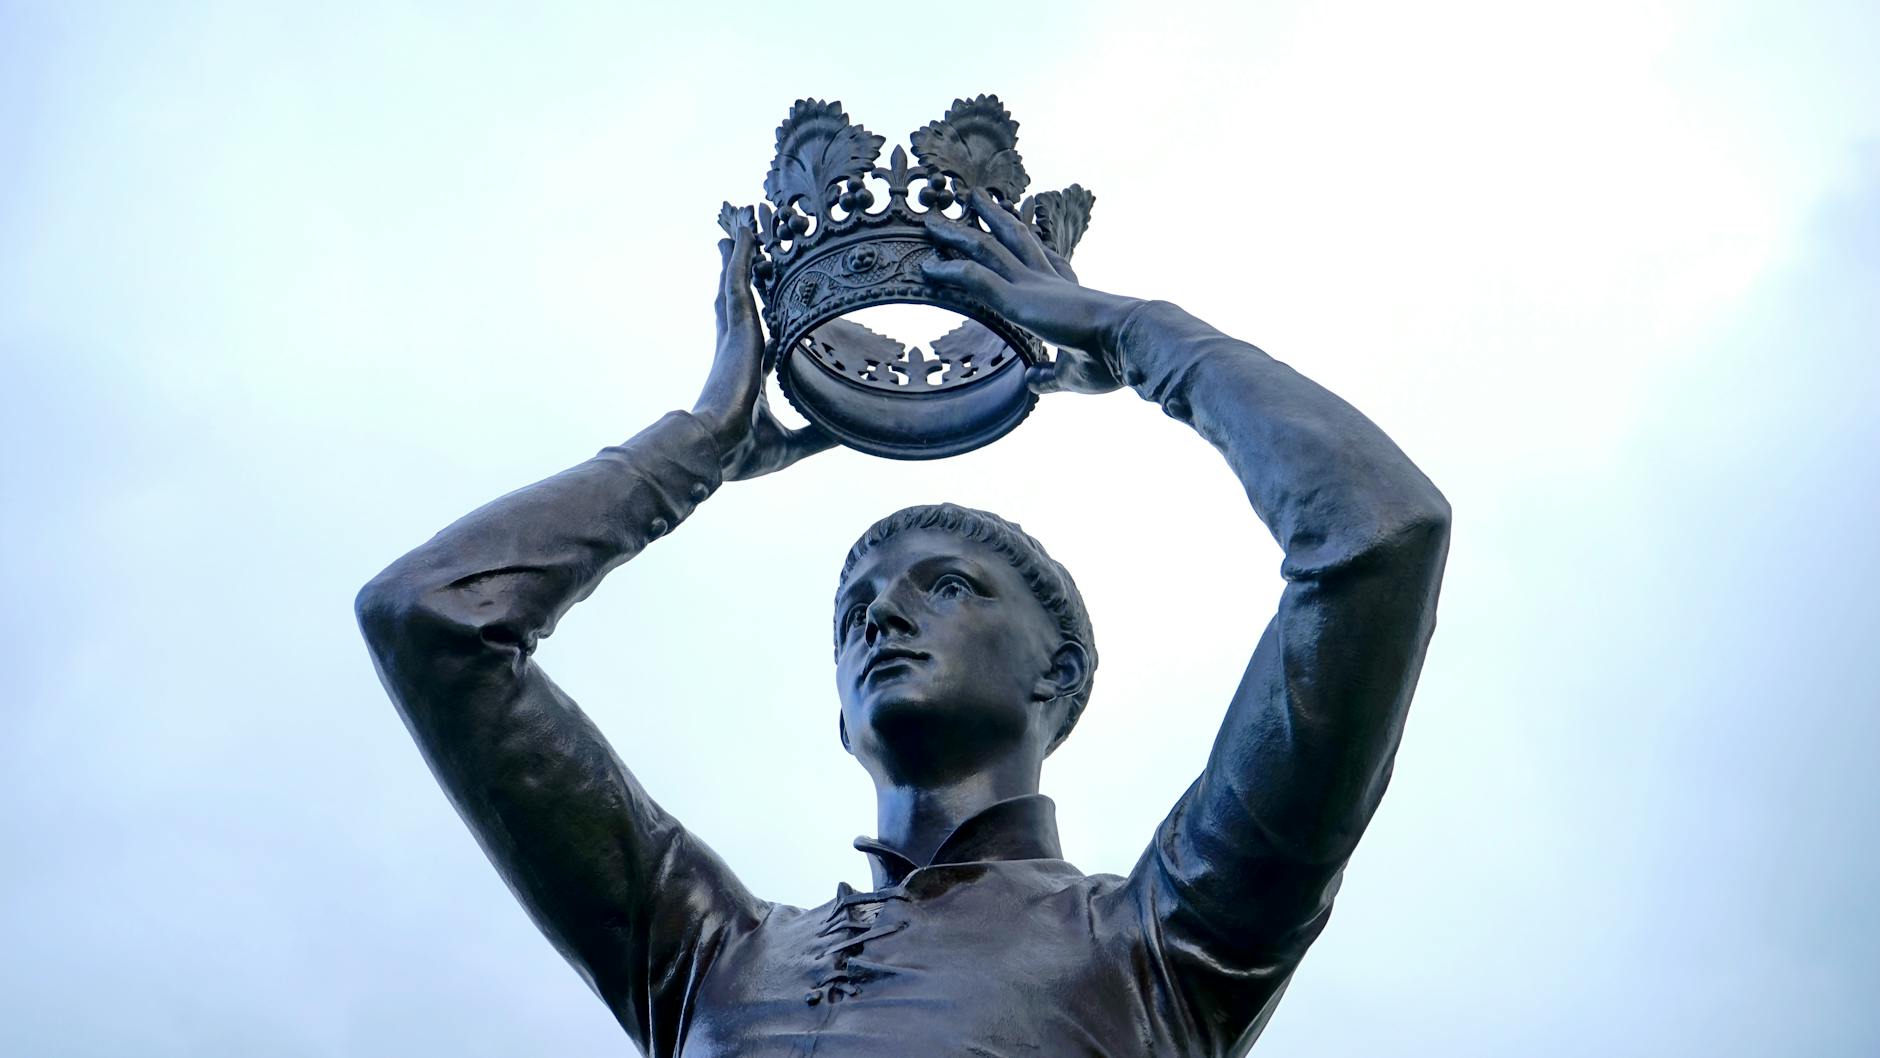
(958, 641)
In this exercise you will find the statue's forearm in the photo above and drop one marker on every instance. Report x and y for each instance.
(506, 572)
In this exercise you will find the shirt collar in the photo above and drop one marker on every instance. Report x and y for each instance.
(1018, 828)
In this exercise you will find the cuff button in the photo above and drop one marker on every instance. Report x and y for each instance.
(701, 492)
(657, 527)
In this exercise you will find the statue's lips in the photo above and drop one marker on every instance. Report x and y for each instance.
(883, 658)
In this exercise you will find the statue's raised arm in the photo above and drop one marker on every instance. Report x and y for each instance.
(621, 888)
(1240, 877)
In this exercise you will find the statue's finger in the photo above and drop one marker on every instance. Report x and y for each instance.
(969, 241)
(1043, 378)
(970, 276)
(1013, 234)
(737, 279)
(724, 262)
(725, 249)
(741, 253)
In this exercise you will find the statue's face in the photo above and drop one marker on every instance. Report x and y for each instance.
(944, 657)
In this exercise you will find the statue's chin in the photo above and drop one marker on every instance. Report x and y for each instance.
(898, 712)
(909, 726)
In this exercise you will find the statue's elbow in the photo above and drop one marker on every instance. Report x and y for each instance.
(409, 618)
(418, 654)
(1432, 532)
(1432, 521)
(1418, 543)
(390, 609)
(379, 608)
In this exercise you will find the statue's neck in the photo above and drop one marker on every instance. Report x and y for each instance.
(916, 818)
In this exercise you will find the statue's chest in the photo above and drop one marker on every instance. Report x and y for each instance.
(996, 956)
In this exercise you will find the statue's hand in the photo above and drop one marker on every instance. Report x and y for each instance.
(733, 405)
(1016, 274)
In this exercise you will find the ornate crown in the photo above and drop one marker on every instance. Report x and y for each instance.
(830, 245)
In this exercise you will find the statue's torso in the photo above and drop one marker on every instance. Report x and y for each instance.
(1026, 957)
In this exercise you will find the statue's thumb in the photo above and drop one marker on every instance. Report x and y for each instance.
(808, 440)
(1043, 378)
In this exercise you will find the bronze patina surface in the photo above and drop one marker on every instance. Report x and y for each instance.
(964, 656)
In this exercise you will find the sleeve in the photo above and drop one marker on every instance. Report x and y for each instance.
(1240, 876)
(635, 902)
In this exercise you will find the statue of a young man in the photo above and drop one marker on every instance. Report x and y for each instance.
(963, 657)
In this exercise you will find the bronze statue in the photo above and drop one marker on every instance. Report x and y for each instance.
(964, 656)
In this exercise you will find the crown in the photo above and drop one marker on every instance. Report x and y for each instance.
(841, 233)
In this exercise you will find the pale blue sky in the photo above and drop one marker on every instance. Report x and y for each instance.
(282, 293)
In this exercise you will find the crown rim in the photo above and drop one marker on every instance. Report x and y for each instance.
(995, 408)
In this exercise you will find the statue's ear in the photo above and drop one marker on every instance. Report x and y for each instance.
(1058, 689)
(1069, 672)
(842, 727)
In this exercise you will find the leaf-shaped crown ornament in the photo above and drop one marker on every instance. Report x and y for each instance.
(1061, 217)
(977, 143)
(735, 218)
(829, 245)
(817, 147)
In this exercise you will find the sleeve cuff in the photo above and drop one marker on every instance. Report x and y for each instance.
(678, 460)
(1156, 344)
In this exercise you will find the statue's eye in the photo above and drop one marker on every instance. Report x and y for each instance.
(952, 586)
(853, 618)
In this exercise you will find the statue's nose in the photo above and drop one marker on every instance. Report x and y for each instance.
(887, 616)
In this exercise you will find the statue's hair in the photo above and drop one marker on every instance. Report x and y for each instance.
(1049, 581)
